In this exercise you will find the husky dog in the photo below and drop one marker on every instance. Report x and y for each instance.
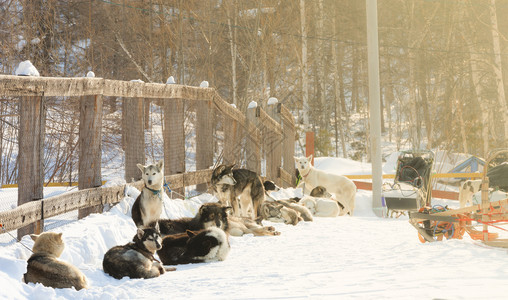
(290, 216)
(45, 267)
(321, 192)
(239, 185)
(303, 211)
(208, 215)
(467, 190)
(321, 207)
(207, 245)
(342, 187)
(270, 211)
(148, 206)
(215, 215)
(135, 259)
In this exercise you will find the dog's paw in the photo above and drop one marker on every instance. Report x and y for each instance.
(169, 269)
(270, 228)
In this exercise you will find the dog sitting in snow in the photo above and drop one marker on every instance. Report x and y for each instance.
(148, 206)
(45, 267)
(207, 245)
(342, 187)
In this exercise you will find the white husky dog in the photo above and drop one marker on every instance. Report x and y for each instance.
(320, 207)
(342, 187)
(148, 206)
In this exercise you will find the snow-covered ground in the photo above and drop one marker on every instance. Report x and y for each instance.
(362, 257)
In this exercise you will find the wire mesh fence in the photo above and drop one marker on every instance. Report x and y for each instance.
(85, 131)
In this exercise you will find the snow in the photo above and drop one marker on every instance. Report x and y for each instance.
(26, 68)
(272, 101)
(203, 84)
(90, 74)
(359, 257)
(137, 80)
(252, 104)
(171, 80)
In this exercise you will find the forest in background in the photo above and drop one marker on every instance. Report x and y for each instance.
(442, 63)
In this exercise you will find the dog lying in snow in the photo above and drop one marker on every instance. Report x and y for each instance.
(321, 207)
(44, 266)
(207, 245)
(342, 187)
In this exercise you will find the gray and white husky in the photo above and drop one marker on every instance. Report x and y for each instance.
(240, 188)
(135, 259)
(148, 206)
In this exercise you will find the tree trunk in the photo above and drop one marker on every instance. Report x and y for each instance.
(305, 91)
(498, 71)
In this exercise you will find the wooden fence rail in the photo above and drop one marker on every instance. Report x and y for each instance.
(247, 141)
(38, 210)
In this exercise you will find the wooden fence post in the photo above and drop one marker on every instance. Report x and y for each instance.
(133, 131)
(232, 141)
(174, 139)
(204, 138)
(90, 138)
(288, 133)
(32, 121)
(274, 159)
(252, 144)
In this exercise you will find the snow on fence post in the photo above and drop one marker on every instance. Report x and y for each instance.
(288, 134)
(204, 138)
(90, 129)
(32, 120)
(274, 151)
(134, 138)
(174, 138)
(252, 145)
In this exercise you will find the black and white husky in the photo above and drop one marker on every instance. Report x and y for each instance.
(135, 259)
(148, 206)
(207, 245)
(240, 188)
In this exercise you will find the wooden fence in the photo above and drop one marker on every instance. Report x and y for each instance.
(246, 139)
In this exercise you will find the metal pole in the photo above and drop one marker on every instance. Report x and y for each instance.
(374, 106)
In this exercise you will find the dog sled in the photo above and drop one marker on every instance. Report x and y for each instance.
(411, 189)
(483, 221)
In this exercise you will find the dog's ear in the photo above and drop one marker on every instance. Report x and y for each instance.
(309, 158)
(141, 167)
(227, 209)
(157, 227)
(190, 233)
(160, 164)
(230, 167)
(296, 158)
(140, 233)
(220, 169)
(34, 236)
